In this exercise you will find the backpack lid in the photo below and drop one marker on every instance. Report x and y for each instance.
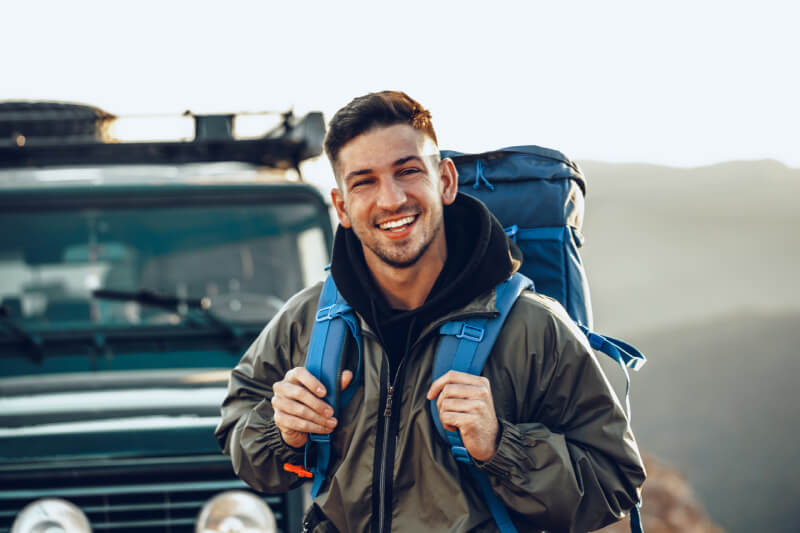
(535, 162)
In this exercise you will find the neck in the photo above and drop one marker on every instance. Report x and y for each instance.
(408, 287)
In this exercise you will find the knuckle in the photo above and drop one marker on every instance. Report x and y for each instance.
(312, 401)
(308, 414)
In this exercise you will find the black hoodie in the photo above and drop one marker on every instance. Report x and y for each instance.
(479, 257)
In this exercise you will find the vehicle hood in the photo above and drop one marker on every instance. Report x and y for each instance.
(110, 414)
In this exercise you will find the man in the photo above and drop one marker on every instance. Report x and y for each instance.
(410, 254)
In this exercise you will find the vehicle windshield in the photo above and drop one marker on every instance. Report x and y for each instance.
(245, 259)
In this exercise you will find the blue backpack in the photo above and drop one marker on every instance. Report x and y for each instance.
(537, 194)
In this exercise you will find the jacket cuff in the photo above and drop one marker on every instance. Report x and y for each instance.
(504, 461)
(274, 440)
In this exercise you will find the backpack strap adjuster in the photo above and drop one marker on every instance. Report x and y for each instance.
(329, 312)
(326, 313)
(470, 332)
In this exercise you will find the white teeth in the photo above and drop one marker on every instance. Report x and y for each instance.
(396, 223)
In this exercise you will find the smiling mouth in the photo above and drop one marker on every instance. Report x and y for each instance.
(399, 224)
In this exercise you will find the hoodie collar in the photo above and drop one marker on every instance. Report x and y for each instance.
(479, 256)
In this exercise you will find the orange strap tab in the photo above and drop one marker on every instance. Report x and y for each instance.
(297, 469)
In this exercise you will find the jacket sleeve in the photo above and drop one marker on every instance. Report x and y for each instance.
(567, 459)
(247, 431)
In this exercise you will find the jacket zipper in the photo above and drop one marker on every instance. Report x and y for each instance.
(387, 423)
(391, 383)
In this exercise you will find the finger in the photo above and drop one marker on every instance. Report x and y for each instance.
(297, 409)
(459, 405)
(457, 420)
(453, 376)
(476, 391)
(287, 422)
(468, 392)
(347, 377)
(458, 390)
(302, 376)
(301, 394)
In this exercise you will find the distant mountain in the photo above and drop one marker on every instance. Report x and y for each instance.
(674, 244)
(699, 268)
(726, 170)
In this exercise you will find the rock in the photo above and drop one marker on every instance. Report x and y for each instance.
(668, 504)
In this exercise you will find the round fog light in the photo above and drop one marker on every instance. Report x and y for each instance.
(51, 515)
(236, 511)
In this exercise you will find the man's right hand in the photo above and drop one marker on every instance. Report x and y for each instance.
(299, 409)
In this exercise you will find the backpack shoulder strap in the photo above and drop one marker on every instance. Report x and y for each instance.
(333, 321)
(465, 346)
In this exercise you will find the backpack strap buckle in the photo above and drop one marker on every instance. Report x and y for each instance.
(329, 312)
(470, 332)
(326, 313)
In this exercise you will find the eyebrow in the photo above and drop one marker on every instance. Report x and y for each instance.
(397, 163)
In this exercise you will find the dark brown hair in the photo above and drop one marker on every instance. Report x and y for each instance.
(385, 108)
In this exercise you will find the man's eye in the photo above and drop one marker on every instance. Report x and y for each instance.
(408, 171)
(360, 183)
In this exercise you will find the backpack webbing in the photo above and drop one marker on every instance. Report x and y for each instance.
(333, 320)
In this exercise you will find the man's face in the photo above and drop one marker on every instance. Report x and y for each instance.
(392, 194)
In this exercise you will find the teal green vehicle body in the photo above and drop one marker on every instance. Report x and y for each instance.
(111, 403)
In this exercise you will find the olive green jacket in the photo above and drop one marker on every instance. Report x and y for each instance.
(566, 461)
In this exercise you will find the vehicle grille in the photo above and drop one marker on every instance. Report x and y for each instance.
(141, 498)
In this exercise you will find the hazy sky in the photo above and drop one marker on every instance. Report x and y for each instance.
(681, 83)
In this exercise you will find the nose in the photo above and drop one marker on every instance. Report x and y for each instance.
(391, 195)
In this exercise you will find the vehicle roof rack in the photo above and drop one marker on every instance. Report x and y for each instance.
(42, 134)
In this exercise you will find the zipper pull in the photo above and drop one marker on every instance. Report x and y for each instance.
(388, 411)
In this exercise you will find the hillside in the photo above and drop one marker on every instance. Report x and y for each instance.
(698, 267)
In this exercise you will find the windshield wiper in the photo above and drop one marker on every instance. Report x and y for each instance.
(31, 341)
(173, 303)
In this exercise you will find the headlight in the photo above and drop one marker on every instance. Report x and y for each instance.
(51, 515)
(235, 511)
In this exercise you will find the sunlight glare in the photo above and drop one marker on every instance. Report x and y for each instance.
(152, 128)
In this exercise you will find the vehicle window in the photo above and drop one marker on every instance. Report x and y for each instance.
(243, 258)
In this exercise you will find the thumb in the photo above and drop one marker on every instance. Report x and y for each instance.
(347, 377)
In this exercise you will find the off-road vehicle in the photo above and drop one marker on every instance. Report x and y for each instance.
(132, 277)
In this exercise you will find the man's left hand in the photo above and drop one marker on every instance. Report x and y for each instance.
(465, 403)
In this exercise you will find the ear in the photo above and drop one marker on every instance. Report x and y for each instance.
(449, 177)
(337, 198)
